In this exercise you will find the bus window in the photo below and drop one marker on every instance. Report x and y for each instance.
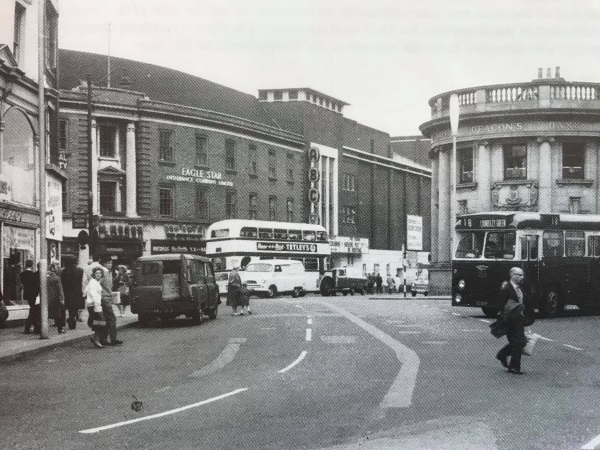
(311, 264)
(282, 235)
(219, 233)
(500, 245)
(308, 235)
(574, 243)
(529, 247)
(553, 243)
(294, 235)
(249, 232)
(470, 244)
(594, 246)
(322, 236)
(265, 233)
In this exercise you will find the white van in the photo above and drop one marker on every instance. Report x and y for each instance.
(269, 277)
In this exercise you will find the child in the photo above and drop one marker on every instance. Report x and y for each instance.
(245, 299)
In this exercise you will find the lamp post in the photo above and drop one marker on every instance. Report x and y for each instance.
(454, 116)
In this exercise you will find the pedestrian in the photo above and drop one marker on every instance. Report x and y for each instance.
(31, 292)
(379, 283)
(398, 281)
(107, 304)
(371, 282)
(516, 309)
(123, 283)
(245, 299)
(72, 282)
(390, 283)
(56, 298)
(94, 305)
(234, 291)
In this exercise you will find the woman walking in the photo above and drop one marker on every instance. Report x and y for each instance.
(94, 305)
(122, 282)
(56, 298)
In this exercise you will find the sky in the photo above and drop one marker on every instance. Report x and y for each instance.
(386, 58)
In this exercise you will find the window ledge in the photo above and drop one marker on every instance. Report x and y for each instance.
(466, 186)
(576, 182)
(166, 163)
(109, 158)
(201, 167)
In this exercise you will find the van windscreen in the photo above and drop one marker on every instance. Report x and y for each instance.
(259, 267)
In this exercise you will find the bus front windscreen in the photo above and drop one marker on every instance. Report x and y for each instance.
(500, 245)
(470, 244)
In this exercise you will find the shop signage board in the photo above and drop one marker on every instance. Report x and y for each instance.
(80, 220)
(286, 247)
(120, 248)
(162, 246)
(414, 232)
(193, 175)
(54, 219)
(347, 244)
(11, 215)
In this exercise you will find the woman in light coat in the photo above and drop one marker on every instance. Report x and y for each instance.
(94, 305)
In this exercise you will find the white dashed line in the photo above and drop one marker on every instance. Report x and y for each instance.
(300, 358)
(309, 334)
(574, 348)
(162, 414)
(163, 389)
(545, 339)
(485, 320)
(592, 444)
(224, 358)
(309, 321)
(455, 314)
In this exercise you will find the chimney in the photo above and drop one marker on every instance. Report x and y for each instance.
(557, 72)
(540, 72)
(548, 72)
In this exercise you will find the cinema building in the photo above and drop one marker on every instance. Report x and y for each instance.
(173, 153)
(531, 146)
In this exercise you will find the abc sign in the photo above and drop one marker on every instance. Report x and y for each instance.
(313, 175)
(314, 154)
(313, 196)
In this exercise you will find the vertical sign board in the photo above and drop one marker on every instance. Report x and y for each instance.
(414, 233)
(54, 220)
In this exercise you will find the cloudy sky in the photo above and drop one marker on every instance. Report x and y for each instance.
(386, 58)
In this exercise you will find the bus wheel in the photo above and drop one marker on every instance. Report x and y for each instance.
(552, 304)
(272, 292)
(490, 312)
(326, 287)
(351, 291)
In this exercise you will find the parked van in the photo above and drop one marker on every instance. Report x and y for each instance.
(173, 284)
(269, 277)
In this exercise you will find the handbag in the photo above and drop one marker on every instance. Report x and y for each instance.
(532, 338)
(498, 328)
(99, 322)
(116, 298)
(124, 290)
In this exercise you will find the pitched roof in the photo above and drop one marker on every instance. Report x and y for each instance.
(161, 84)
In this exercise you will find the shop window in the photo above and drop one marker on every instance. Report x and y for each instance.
(290, 210)
(252, 160)
(166, 201)
(348, 214)
(18, 164)
(19, 32)
(290, 167)
(272, 164)
(574, 243)
(50, 36)
(230, 204)
(108, 197)
(253, 206)
(515, 162)
(201, 151)
(465, 165)
(107, 135)
(293, 95)
(229, 154)
(165, 145)
(278, 95)
(202, 204)
(573, 161)
(272, 207)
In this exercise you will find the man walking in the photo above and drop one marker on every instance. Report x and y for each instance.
(72, 282)
(107, 304)
(516, 309)
(31, 289)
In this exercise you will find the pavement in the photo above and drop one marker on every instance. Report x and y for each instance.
(14, 343)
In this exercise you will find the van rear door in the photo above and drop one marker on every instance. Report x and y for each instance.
(147, 287)
(185, 280)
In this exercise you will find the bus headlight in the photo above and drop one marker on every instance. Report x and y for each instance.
(461, 284)
(457, 298)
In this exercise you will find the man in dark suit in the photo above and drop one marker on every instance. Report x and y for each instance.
(31, 289)
(516, 308)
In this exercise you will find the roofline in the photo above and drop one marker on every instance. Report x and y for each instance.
(313, 91)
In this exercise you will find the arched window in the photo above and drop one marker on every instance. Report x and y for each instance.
(18, 165)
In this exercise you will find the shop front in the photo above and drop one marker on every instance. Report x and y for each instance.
(347, 251)
(162, 246)
(122, 251)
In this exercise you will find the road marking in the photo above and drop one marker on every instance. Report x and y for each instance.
(455, 314)
(435, 342)
(297, 361)
(309, 321)
(574, 348)
(407, 332)
(400, 393)
(485, 320)
(163, 389)
(592, 444)
(308, 334)
(162, 414)
(224, 358)
(545, 339)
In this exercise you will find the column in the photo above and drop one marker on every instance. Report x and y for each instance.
(484, 177)
(327, 180)
(335, 197)
(94, 180)
(545, 175)
(434, 206)
(444, 231)
(130, 171)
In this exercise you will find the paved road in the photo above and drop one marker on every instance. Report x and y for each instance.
(344, 372)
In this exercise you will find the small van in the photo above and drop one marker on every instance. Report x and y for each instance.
(270, 277)
(166, 286)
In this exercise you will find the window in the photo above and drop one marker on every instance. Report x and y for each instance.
(108, 141)
(289, 210)
(50, 36)
(265, 233)
(201, 151)
(465, 165)
(252, 206)
(62, 135)
(500, 245)
(108, 197)
(470, 244)
(252, 160)
(529, 247)
(64, 195)
(165, 140)
(289, 167)
(229, 154)
(309, 235)
(574, 243)
(573, 161)
(249, 232)
(575, 205)
(280, 234)
(553, 243)
(230, 204)
(19, 30)
(262, 95)
(293, 95)
(349, 182)
(272, 207)
(202, 204)
(593, 246)
(278, 96)
(294, 235)
(515, 162)
(272, 164)
(165, 201)
(348, 214)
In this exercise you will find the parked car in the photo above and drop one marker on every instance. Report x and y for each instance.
(346, 280)
(169, 285)
(270, 277)
(421, 283)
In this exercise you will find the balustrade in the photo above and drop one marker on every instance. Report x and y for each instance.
(511, 94)
(574, 92)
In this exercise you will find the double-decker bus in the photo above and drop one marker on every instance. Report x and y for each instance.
(559, 254)
(228, 241)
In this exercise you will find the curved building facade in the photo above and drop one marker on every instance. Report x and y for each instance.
(532, 146)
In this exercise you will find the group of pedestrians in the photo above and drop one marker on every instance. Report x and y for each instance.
(71, 290)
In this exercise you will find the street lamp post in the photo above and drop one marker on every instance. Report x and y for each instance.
(454, 116)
